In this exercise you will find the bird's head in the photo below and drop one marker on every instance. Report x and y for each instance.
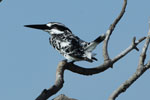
(51, 27)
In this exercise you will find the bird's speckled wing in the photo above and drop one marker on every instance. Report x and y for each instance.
(69, 44)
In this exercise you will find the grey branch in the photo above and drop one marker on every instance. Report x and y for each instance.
(58, 83)
(140, 70)
(110, 30)
(63, 65)
(101, 68)
(143, 54)
(131, 47)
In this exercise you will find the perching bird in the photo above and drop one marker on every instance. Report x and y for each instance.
(67, 44)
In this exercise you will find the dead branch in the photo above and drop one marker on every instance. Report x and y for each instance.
(63, 65)
(110, 30)
(131, 47)
(143, 54)
(95, 70)
(140, 70)
(58, 83)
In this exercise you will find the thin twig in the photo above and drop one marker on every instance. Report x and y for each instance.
(131, 47)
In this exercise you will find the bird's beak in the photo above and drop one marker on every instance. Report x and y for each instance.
(40, 26)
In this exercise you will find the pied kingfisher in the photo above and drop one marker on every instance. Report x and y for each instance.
(67, 44)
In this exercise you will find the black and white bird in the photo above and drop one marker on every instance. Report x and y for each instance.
(66, 43)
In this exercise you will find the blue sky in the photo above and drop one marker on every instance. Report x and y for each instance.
(28, 63)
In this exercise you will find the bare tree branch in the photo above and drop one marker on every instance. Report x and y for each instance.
(143, 54)
(140, 70)
(58, 83)
(131, 47)
(123, 87)
(90, 71)
(110, 30)
(80, 70)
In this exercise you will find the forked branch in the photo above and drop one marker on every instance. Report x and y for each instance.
(62, 66)
(140, 70)
(110, 30)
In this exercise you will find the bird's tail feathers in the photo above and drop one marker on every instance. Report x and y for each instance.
(91, 55)
(94, 43)
(100, 39)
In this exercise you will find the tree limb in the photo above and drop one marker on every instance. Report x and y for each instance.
(143, 54)
(58, 83)
(110, 30)
(131, 47)
(123, 87)
(88, 71)
(140, 70)
(79, 70)
(95, 70)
